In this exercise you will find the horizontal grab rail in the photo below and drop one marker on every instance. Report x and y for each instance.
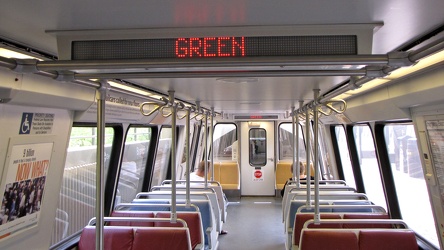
(377, 208)
(184, 181)
(92, 222)
(356, 221)
(121, 206)
(321, 181)
(182, 188)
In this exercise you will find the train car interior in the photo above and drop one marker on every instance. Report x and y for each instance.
(209, 124)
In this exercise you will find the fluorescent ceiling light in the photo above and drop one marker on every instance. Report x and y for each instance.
(237, 79)
(131, 89)
(396, 74)
(9, 53)
(422, 64)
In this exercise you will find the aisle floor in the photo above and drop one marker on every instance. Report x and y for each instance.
(254, 223)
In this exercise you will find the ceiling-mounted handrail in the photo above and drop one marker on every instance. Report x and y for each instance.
(157, 106)
(396, 59)
(181, 117)
(213, 62)
(330, 104)
(162, 111)
(181, 107)
(324, 112)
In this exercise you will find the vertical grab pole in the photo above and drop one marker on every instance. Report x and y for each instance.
(173, 156)
(307, 150)
(295, 152)
(100, 159)
(298, 163)
(316, 154)
(187, 157)
(211, 138)
(206, 150)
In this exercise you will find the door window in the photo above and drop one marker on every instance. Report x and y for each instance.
(258, 147)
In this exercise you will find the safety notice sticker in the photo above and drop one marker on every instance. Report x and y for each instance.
(36, 123)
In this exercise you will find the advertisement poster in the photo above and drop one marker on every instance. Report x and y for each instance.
(435, 131)
(23, 185)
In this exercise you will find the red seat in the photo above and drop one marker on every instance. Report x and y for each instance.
(166, 238)
(132, 214)
(301, 218)
(390, 239)
(115, 238)
(194, 223)
(329, 239)
(366, 216)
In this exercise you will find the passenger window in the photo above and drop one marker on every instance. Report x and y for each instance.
(286, 142)
(369, 165)
(182, 167)
(77, 200)
(134, 161)
(324, 157)
(224, 136)
(161, 164)
(344, 156)
(408, 175)
(258, 147)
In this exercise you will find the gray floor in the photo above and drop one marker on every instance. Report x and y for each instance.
(254, 223)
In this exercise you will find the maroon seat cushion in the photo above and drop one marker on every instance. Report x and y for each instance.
(389, 239)
(166, 238)
(301, 218)
(113, 238)
(329, 239)
(193, 221)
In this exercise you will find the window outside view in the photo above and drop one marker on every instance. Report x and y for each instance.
(409, 180)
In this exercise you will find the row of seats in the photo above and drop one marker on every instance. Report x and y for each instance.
(192, 219)
(295, 198)
(227, 174)
(209, 200)
(330, 191)
(213, 187)
(283, 173)
(195, 195)
(163, 208)
(358, 239)
(202, 225)
(346, 220)
(209, 222)
(137, 238)
(341, 209)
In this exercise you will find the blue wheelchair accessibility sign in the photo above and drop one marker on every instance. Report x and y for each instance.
(25, 125)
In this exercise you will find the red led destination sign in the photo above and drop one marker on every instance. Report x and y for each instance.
(214, 47)
(210, 47)
(256, 117)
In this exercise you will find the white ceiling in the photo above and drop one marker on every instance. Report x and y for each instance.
(28, 23)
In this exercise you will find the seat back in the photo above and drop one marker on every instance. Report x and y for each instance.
(229, 175)
(151, 208)
(366, 216)
(161, 238)
(329, 239)
(208, 219)
(294, 206)
(301, 218)
(216, 166)
(352, 210)
(195, 197)
(387, 239)
(283, 173)
(194, 223)
(116, 238)
(141, 214)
